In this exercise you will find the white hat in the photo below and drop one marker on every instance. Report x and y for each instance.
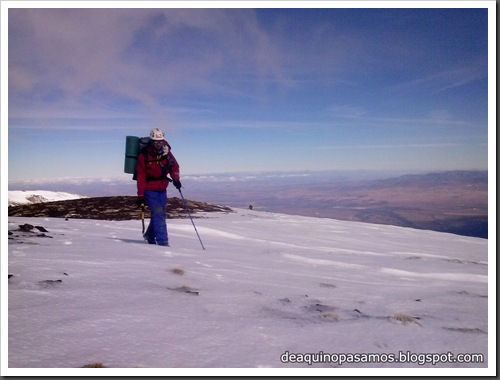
(156, 134)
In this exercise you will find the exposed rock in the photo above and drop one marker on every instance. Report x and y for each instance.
(36, 199)
(26, 227)
(107, 208)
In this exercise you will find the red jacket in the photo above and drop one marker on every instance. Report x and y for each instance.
(152, 170)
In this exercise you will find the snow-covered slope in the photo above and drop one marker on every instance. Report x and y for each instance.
(20, 197)
(267, 289)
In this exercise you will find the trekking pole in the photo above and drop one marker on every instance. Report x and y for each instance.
(142, 217)
(190, 217)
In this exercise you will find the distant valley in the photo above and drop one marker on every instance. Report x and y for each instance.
(455, 201)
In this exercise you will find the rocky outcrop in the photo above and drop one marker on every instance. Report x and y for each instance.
(109, 208)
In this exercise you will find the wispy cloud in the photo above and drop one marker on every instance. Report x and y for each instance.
(96, 58)
(444, 80)
(389, 146)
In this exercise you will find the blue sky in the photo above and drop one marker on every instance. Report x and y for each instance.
(248, 89)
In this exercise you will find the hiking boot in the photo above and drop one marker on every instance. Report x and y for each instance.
(148, 239)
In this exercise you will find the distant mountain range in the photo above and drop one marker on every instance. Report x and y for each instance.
(458, 178)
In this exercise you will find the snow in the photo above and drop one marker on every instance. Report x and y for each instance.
(267, 286)
(20, 197)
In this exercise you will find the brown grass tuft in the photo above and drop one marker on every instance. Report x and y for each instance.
(405, 319)
(94, 365)
(330, 316)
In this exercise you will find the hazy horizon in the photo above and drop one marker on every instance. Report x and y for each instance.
(452, 201)
(93, 186)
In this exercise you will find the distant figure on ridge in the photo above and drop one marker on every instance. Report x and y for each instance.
(154, 163)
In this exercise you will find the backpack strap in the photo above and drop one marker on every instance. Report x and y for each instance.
(164, 168)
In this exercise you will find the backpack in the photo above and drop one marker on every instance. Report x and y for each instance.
(135, 146)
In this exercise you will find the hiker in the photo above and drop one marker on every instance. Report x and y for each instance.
(154, 163)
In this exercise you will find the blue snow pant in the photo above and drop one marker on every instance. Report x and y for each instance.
(157, 229)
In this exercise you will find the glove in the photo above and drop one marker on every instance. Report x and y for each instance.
(177, 184)
(140, 202)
